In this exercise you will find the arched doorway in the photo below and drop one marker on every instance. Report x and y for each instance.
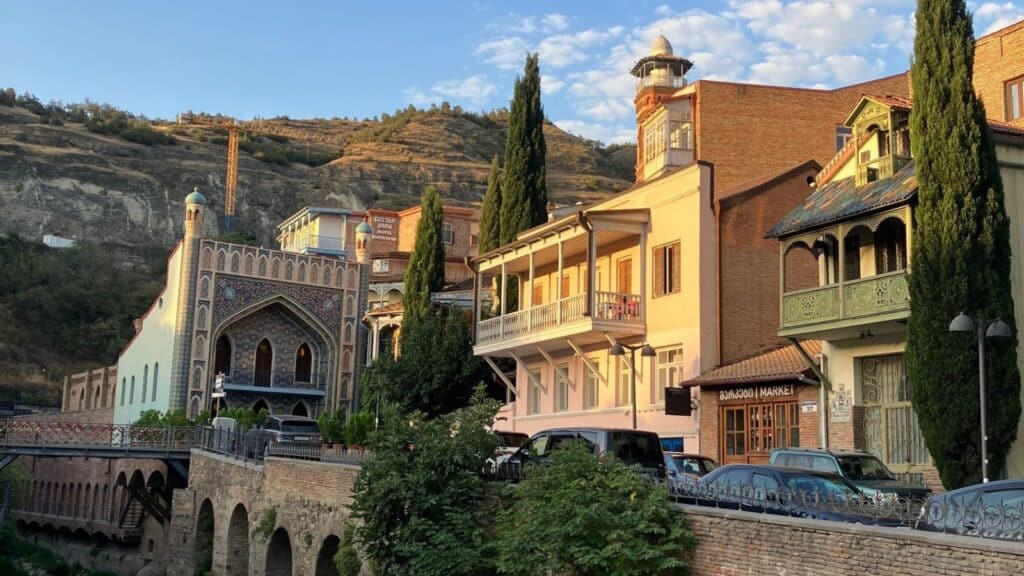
(325, 565)
(204, 538)
(238, 543)
(303, 364)
(264, 363)
(279, 554)
(222, 356)
(300, 409)
(260, 404)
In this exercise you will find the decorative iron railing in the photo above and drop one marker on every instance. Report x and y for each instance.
(849, 300)
(65, 434)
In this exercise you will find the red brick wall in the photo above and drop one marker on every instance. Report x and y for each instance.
(749, 266)
(998, 57)
(749, 131)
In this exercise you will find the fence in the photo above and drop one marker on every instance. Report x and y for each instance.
(255, 448)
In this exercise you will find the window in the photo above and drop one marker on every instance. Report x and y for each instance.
(891, 431)
(623, 397)
(787, 425)
(156, 378)
(561, 388)
(533, 406)
(565, 286)
(381, 265)
(654, 141)
(448, 233)
(666, 269)
(591, 387)
(890, 246)
(670, 371)
(625, 276)
(843, 135)
(1015, 99)
(124, 387)
(303, 364)
(735, 439)
(538, 295)
(145, 382)
(222, 356)
(679, 137)
(474, 239)
(131, 393)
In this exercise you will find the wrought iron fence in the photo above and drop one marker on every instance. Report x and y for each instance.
(234, 444)
(319, 453)
(67, 434)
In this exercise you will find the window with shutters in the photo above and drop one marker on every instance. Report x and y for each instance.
(565, 286)
(448, 233)
(624, 280)
(667, 272)
(538, 295)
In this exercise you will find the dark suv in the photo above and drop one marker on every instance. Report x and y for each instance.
(864, 470)
(633, 447)
(288, 430)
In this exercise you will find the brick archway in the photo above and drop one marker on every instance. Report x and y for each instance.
(325, 565)
(238, 542)
(204, 537)
(279, 554)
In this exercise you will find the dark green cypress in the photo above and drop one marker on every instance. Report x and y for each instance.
(961, 258)
(524, 184)
(425, 273)
(490, 213)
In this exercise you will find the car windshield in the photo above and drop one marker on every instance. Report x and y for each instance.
(300, 427)
(636, 448)
(827, 487)
(864, 468)
(709, 464)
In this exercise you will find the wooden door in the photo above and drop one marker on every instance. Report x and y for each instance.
(624, 279)
(538, 295)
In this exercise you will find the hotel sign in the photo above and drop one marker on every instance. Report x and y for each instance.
(756, 393)
(385, 228)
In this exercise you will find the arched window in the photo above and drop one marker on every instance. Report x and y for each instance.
(124, 386)
(131, 393)
(303, 364)
(264, 363)
(260, 405)
(890, 246)
(156, 376)
(145, 383)
(222, 357)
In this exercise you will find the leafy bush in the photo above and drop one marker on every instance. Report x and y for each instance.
(332, 426)
(267, 523)
(245, 418)
(347, 559)
(577, 515)
(358, 429)
(423, 506)
(8, 97)
(171, 418)
(21, 482)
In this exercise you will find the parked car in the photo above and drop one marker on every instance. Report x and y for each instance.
(633, 447)
(783, 491)
(864, 470)
(291, 430)
(990, 510)
(508, 443)
(688, 467)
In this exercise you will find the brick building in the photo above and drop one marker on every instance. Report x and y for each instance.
(999, 73)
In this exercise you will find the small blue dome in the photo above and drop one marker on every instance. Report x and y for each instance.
(364, 228)
(195, 197)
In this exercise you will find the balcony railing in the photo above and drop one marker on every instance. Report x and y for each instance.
(612, 306)
(850, 300)
(313, 241)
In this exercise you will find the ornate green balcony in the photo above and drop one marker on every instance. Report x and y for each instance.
(844, 305)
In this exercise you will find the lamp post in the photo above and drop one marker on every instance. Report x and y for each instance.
(985, 329)
(619, 349)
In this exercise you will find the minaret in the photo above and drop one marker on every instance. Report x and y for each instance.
(364, 233)
(659, 75)
(195, 218)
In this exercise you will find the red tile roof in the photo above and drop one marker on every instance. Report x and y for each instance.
(781, 363)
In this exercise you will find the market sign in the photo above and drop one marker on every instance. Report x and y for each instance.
(756, 393)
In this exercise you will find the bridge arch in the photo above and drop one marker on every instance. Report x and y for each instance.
(279, 554)
(325, 565)
(238, 542)
(204, 537)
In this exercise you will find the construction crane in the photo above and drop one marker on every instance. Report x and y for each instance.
(234, 128)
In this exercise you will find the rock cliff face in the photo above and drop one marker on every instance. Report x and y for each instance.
(70, 182)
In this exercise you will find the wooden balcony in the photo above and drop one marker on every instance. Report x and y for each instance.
(845, 306)
(616, 313)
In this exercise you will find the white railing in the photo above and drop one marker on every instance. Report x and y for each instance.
(607, 306)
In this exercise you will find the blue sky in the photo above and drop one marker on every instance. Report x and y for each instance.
(358, 59)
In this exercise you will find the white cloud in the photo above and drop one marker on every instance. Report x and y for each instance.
(607, 133)
(562, 50)
(663, 10)
(554, 22)
(992, 16)
(505, 53)
(550, 84)
(475, 90)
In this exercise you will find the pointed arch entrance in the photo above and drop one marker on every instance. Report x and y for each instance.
(264, 363)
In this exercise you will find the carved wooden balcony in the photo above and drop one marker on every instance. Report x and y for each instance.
(848, 304)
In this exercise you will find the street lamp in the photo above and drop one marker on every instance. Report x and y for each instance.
(985, 329)
(619, 349)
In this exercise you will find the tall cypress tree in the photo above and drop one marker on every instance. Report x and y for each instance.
(425, 273)
(490, 213)
(524, 184)
(961, 259)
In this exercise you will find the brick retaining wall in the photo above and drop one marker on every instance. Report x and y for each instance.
(731, 543)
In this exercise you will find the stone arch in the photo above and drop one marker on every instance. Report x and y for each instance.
(350, 305)
(204, 531)
(346, 361)
(325, 565)
(223, 355)
(156, 481)
(288, 270)
(301, 274)
(222, 258)
(207, 257)
(351, 279)
(204, 287)
(263, 368)
(261, 404)
(292, 307)
(87, 502)
(197, 378)
(238, 542)
(193, 409)
(338, 281)
(314, 272)
(234, 262)
(347, 334)
(261, 268)
(326, 276)
(275, 268)
(304, 363)
(201, 321)
(249, 263)
(300, 409)
(279, 554)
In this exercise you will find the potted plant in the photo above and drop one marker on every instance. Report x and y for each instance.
(357, 431)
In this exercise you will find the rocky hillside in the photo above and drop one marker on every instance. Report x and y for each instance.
(58, 177)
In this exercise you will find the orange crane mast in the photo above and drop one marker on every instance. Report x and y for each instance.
(234, 128)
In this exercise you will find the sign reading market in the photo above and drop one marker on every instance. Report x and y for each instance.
(756, 392)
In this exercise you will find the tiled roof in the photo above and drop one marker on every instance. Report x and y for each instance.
(776, 364)
(841, 199)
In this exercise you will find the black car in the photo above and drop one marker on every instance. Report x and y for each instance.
(990, 510)
(288, 430)
(688, 467)
(633, 447)
(863, 470)
(786, 492)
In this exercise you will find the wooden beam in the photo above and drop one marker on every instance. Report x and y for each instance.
(564, 375)
(586, 362)
(528, 375)
(501, 375)
(625, 357)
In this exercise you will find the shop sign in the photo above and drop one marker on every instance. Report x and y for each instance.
(808, 407)
(384, 228)
(756, 393)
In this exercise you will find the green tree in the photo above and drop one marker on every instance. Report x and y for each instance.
(425, 273)
(490, 214)
(524, 192)
(436, 371)
(579, 516)
(347, 558)
(961, 259)
(423, 507)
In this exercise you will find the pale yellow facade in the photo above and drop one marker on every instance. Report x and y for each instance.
(588, 280)
(1011, 167)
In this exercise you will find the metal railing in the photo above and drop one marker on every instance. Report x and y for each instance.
(15, 433)
(607, 306)
(318, 453)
